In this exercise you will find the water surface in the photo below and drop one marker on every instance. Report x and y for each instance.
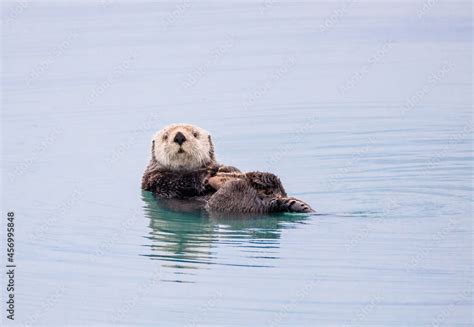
(363, 109)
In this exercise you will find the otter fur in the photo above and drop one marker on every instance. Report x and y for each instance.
(183, 166)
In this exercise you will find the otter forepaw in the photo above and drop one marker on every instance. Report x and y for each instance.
(216, 182)
(294, 205)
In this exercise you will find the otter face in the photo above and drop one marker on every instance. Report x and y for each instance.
(182, 147)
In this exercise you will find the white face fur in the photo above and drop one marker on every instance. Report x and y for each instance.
(182, 147)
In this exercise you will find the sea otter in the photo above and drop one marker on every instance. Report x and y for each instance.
(183, 166)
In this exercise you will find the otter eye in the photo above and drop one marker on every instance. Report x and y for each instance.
(165, 137)
(195, 134)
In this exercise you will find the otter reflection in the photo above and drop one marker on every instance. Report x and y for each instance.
(188, 238)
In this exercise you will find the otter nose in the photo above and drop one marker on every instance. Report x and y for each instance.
(179, 138)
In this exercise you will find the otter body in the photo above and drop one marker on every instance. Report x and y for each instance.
(183, 166)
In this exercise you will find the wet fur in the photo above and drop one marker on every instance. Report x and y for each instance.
(253, 192)
(195, 174)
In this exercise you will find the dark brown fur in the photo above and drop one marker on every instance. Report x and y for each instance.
(222, 188)
(248, 193)
(170, 184)
(251, 193)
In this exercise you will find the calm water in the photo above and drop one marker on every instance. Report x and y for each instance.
(363, 109)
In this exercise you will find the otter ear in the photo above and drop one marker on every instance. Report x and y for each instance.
(211, 149)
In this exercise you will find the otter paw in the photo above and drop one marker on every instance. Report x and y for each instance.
(294, 205)
(217, 182)
(212, 170)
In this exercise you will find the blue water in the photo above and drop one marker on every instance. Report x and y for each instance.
(364, 109)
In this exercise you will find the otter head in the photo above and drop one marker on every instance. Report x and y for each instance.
(182, 147)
